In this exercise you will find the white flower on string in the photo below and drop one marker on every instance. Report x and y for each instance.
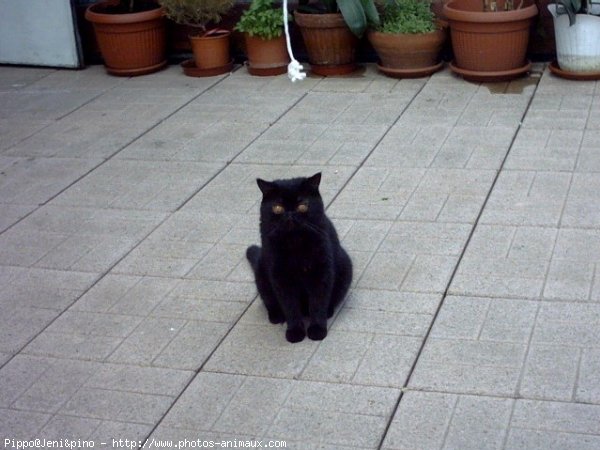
(295, 69)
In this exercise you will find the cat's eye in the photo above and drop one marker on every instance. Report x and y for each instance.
(278, 209)
(302, 208)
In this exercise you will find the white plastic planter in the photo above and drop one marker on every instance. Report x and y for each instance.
(577, 46)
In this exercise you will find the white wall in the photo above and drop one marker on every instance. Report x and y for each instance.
(38, 32)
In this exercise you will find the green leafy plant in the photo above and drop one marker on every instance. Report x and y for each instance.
(197, 13)
(358, 14)
(262, 19)
(407, 17)
(574, 7)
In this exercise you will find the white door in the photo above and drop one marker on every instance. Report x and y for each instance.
(39, 33)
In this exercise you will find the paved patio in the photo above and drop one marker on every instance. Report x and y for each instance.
(472, 214)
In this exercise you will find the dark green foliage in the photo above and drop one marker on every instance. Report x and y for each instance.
(196, 12)
(407, 17)
(262, 19)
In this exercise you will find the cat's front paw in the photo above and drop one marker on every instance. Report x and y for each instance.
(294, 335)
(316, 332)
(276, 317)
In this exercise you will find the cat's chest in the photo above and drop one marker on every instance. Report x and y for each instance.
(301, 256)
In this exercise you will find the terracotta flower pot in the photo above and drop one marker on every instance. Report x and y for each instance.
(408, 55)
(266, 56)
(489, 45)
(330, 44)
(212, 50)
(130, 44)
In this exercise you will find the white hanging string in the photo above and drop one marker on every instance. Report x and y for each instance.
(294, 68)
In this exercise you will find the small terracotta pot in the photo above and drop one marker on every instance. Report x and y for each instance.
(489, 41)
(408, 51)
(266, 56)
(330, 44)
(130, 44)
(211, 51)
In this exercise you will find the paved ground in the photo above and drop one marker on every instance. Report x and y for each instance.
(471, 212)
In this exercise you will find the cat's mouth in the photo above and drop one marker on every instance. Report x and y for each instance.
(290, 224)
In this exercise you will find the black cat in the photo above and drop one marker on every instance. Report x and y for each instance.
(301, 269)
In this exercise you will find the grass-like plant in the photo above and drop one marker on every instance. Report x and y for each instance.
(358, 14)
(196, 13)
(262, 19)
(574, 7)
(407, 17)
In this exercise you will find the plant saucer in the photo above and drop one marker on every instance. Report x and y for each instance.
(490, 76)
(577, 76)
(410, 73)
(190, 69)
(333, 69)
(266, 71)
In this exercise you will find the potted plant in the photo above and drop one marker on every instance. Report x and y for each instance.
(262, 25)
(490, 37)
(130, 35)
(577, 33)
(210, 47)
(409, 39)
(331, 30)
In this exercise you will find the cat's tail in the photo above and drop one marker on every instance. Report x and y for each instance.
(253, 255)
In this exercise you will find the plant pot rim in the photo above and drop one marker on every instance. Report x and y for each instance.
(439, 29)
(191, 70)
(99, 17)
(453, 12)
(410, 73)
(320, 20)
(319, 14)
(220, 35)
(255, 36)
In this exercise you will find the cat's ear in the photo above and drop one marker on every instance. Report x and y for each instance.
(266, 187)
(314, 181)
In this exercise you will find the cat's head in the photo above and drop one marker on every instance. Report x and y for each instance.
(292, 204)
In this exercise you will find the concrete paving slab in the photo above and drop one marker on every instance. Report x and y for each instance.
(129, 310)
(33, 181)
(143, 185)
(14, 130)
(15, 77)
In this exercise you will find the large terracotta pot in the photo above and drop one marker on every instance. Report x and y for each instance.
(130, 44)
(330, 44)
(489, 45)
(266, 56)
(408, 55)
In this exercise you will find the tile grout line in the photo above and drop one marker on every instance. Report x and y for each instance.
(523, 370)
(449, 422)
(508, 424)
(454, 271)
